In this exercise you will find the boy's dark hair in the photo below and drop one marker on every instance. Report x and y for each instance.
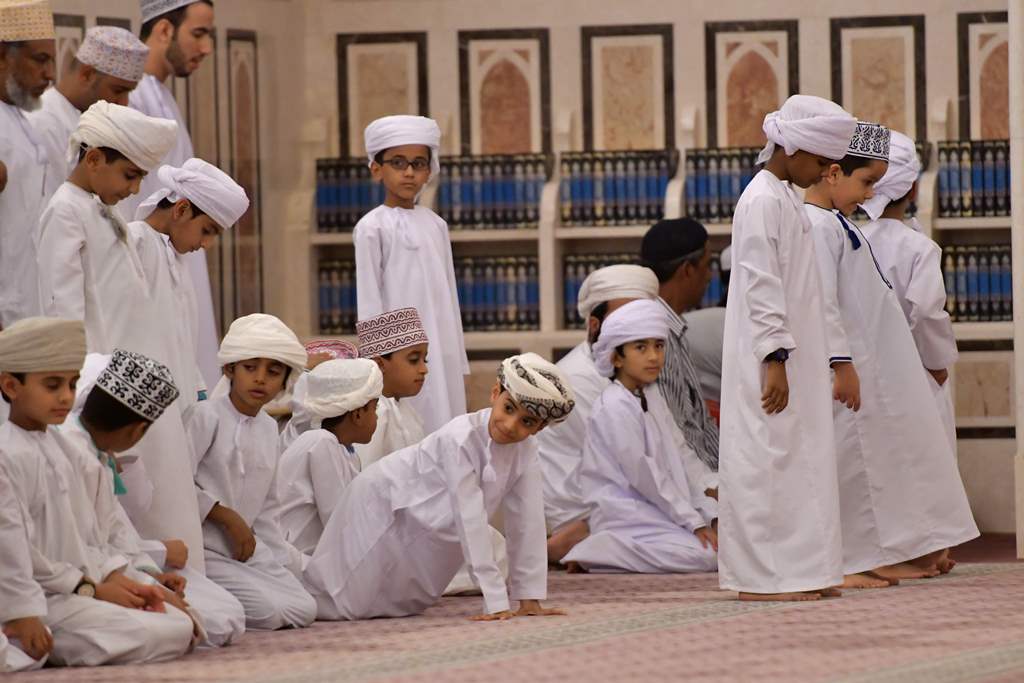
(330, 423)
(600, 311)
(109, 153)
(106, 414)
(166, 203)
(20, 376)
(851, 162)
(175, 16)
(379, 156)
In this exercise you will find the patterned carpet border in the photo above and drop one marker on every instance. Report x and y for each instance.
(948, 670)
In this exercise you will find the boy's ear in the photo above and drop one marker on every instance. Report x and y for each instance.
(9, 384)
(179, 209)
(379, 360)
(495, 391)
(139, 430)
(376, 170)
(229, 370)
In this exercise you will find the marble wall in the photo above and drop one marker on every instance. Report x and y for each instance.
(984, 74)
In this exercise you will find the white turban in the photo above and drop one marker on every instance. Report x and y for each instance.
(616, 282)
(538, 386)
(336, 387)
(904, 168)
(260, 336)
(395, 131)
(641, 319)
(809, 123)
(43, 345)
(725, 259)
(207, 187)
(144, 140)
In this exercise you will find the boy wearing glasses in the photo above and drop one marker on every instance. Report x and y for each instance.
(404, 258)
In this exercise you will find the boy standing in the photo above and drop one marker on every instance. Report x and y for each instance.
(646, 516)
(404, 527)
(912, 264)
(236, 459)
(404, 258)
(397, 343)
(779, 504)
(902, 504)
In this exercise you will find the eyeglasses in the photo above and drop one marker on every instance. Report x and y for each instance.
(401, 163)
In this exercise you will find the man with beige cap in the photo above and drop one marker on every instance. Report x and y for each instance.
(26, 69)
(108, 66)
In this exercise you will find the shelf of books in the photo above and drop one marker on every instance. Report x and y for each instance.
(527, 229)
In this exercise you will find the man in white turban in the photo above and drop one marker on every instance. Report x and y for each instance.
(107, 67)
(779, 501)
(341, 398)
(195, 204)
(235, 466)
(405, 526)
(560, 447)
(404, 258)
(180, 36)
(645, 513)
(912, 264)
(26, 69)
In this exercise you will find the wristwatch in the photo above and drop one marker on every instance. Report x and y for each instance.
(86, 588)
(778, 356)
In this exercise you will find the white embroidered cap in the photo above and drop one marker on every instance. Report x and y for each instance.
(115, 52)
(151, 9)
(26, 20)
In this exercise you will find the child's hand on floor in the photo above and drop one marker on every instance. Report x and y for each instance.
(707, 536)
(775, 396)
(35, 639)
(177, 554)
(846, 385)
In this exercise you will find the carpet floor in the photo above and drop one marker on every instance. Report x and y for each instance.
(968, 626)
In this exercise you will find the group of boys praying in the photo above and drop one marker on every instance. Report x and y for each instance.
(142, 516)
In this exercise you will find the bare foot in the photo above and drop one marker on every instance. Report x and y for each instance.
(865, 580)
(780, 597)
(832, 592)
(946, 565)
(905, 570)
(560, 543)
(575, 568)
(891, 581)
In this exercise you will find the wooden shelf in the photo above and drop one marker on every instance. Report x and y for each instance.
(497, 340)
(987, 331)
(491, 235)
(973, 223)
(601, 232)
(330, 238)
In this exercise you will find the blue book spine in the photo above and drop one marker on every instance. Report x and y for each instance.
(690, 185)
(1002, 180)
(984, 293)
(949, 276)
(1006, 275)
(713, 180)
(533, 294)
(324, 299)
(972, 284)
(961, 285)
(954, 181)
(610, 197)
(336, 299)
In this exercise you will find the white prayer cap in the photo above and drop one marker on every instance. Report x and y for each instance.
(390, 332)
(42, 345)
(395, 131)
(725, 259)
(809, 123)
(26, 20)
(538, 386)
(115, 52)
(904, 168)
(204, 185)
(641, 319)
(336, 387)
(261, 336)
(620, 281)
(870, 140)
(144, 140)
(151, 9)
(140, 383)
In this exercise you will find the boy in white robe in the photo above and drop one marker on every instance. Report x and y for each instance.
(341, 399)
(398, 344)
(778, 499)
(89, 270)
(912, 264)
(404, 527)
(27, 56)
(108, 65)
(560, 446)
(319, 351)
(194, 206)
(96, 613)
(404, 258)
(118, 398)
(902, 503)
(645, 516)
(236, 460)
